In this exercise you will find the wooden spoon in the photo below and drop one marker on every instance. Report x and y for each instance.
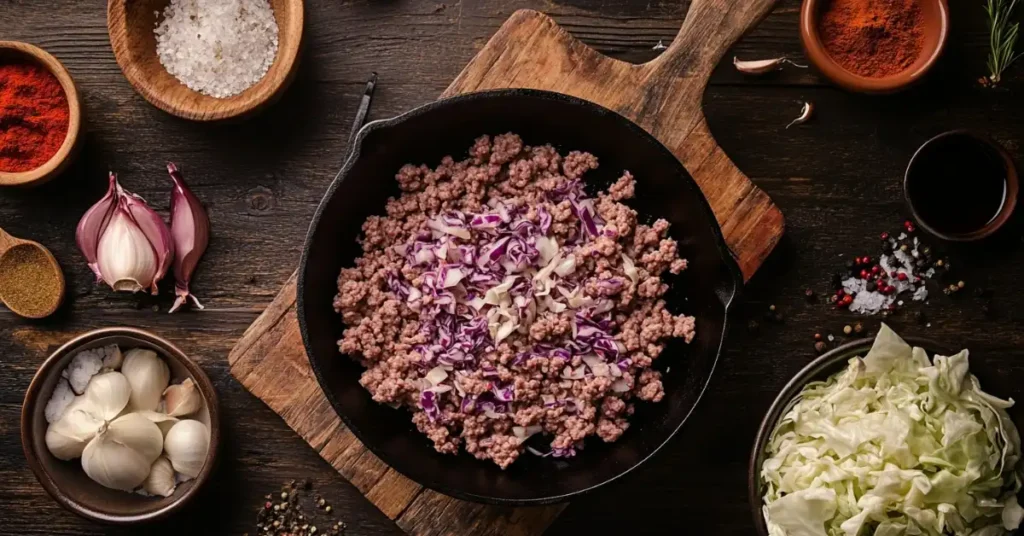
(7, 244)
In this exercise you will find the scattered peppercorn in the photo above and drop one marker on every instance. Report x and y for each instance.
(771, 307)
(753, 326)
(858, 327)
(920, 317)
(961, 284)
(817, 336)
(820, 347)
(809, 294)
(847, 329)
(289, 519)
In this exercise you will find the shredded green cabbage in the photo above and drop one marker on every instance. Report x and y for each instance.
(895, 444)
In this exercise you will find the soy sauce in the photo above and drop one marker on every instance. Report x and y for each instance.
(957, 183)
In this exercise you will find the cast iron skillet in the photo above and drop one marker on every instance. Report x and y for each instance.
(448, 127)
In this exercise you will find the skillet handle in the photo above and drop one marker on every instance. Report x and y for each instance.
(710, 28)
(672, 86)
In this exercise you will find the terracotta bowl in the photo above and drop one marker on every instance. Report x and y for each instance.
(65, 480)
(130, 25)
(14, 51)
(820, 369)
(936, 30)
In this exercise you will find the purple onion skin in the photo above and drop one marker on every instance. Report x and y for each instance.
(190, 233)
(95, 221)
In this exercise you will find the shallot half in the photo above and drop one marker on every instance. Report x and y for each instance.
(126, 243)
(190, 231)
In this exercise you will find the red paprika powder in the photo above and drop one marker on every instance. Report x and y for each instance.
(34, 116)
(872, 38)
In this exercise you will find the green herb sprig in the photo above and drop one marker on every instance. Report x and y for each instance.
(1002, 38)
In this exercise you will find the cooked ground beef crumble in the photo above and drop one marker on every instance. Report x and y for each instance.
(496, 301)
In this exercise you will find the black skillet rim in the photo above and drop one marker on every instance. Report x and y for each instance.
(735, 275)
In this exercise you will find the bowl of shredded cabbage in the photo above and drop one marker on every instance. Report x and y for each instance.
(878, 437)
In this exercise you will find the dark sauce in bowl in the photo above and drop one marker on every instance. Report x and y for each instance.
(959, 186)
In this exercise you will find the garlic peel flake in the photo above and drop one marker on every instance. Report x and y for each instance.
(162, 420)
(148, 376)
(160, 481)
(182, 399)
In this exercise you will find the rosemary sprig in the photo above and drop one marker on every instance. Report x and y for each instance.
(1002, 38)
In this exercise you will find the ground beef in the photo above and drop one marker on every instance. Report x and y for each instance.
(562, 353)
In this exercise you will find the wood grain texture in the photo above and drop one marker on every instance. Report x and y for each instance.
(837, 178)
(130, 24)
(530, 50)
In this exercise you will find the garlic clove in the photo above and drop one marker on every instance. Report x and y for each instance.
(162, 420)
(108, 394)
(156, 231)
(112, 357)
(187, 444)
(190, 231)
(67, 438)
(160, 481)
(182, 399)
(126, 259)
(148, 376)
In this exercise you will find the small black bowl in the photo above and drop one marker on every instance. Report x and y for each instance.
(820, 369)
(961, 186)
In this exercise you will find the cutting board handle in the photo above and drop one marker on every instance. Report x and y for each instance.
(710, 28)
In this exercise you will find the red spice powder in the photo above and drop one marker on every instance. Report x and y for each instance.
(34, 116)
(872, 38)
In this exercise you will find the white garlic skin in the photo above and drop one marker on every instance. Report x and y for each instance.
(162, 420)
(160, 481)
(125, 256)
(187, 444)
(148, 376)
(120, 456)
(67, 438)
(182, 399)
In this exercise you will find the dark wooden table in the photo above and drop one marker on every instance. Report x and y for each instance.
(837, 179)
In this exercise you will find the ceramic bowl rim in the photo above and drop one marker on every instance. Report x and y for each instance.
(33, 397)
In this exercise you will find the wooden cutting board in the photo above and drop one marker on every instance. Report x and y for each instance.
(530, 50)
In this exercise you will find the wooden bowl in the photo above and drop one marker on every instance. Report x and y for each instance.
(935, 28)
(131, 24)
(65, 480)
(24, 52)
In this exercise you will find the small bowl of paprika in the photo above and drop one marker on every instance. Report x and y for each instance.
(874, 46)
(40, 115)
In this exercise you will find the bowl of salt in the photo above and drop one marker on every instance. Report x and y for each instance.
(207, 60)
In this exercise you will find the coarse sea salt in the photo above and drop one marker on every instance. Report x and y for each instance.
(217, 47)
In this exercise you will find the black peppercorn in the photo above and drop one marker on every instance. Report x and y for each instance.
(820, 347)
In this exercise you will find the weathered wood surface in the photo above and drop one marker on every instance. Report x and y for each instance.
(530, 50)
(836, 179)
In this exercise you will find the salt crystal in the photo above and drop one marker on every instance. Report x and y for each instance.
(59, 401)
(831, 338)
(217, 47)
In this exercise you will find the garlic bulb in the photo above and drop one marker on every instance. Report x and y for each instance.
(161, 478)
(148, 376)
(187, 444)
(162, 420)
(182, 399)
(125, 242)
(67, 438)
(121, 454)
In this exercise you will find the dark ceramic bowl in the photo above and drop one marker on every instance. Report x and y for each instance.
(935, 28)
(1005, 211)
(820, 369)
(65, 481)
(664, 189)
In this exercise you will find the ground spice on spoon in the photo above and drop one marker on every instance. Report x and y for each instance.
(28, 283)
